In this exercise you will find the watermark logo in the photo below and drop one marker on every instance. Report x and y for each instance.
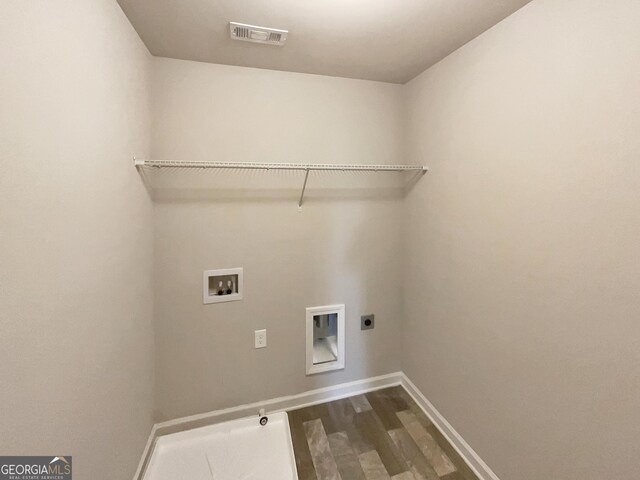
(35, 468)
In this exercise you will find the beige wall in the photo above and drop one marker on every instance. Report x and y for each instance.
(518, 252)
(344, 247)
(76, 374)
(522, 246)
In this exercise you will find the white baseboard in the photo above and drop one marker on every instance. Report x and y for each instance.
(471, 458)
(280, 404)
(146, 455)
(313, 397)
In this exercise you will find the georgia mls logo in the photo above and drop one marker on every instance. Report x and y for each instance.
(35, 468)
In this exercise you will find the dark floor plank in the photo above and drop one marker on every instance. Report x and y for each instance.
(454, 476)
(372, 466)
(404, 476)
(463, 468)
(370, 427)
(316, 411)
(304, 463)
(324, 412)
(345, 456)
(350, 434)
(323, 459)
(395, 397)
(343, 415)
(415, 409)
(360, 403)
(340, 412)
(386, 403)
(414, 458)
(429, 447)
(464, 471)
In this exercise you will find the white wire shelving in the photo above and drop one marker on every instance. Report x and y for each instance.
(305, 167)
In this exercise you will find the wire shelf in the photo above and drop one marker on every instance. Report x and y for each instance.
(305, 167)
(280, 166)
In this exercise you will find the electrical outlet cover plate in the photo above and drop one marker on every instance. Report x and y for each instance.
(367, 322)
(261, 338)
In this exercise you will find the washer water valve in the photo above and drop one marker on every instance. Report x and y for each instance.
(263, 418)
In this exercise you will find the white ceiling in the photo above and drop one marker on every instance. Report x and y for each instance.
(386, 40)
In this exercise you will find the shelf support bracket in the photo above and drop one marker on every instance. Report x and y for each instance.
(304, 187)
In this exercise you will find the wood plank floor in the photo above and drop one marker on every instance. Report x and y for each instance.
(381, 435)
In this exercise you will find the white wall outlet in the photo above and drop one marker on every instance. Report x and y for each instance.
(261, 338)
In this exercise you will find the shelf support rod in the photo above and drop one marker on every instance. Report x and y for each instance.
(304, 187)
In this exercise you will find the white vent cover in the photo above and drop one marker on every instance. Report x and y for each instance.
(251, 33)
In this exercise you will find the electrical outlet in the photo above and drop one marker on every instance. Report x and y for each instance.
(367, 322)
(261, 338)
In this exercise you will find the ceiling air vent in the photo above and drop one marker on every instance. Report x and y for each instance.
(251, 33)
